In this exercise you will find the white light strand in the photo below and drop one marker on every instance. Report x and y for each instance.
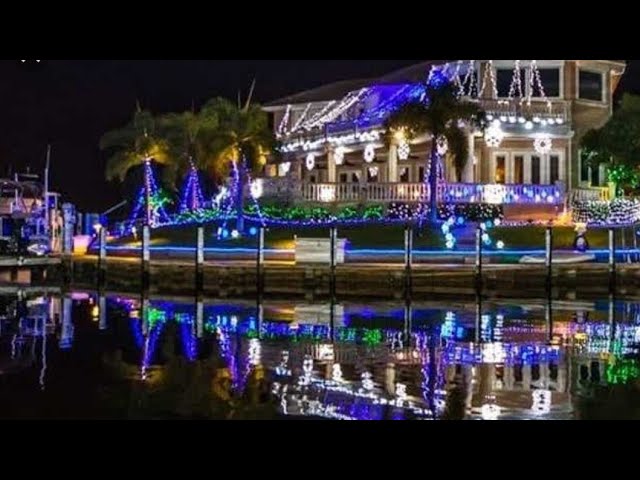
(516, 82)
(334, 109)
(489, 77)
(535, 76)
(284, 122)
(373, 171)
(301, 119)
(470, 78)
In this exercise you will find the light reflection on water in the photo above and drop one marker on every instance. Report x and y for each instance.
(482, 360)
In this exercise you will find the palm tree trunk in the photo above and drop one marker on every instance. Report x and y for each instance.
(433, 183)
(242, 175)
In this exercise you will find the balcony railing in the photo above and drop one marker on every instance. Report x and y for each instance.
(414, 192)
(601, 194)
(557, 110)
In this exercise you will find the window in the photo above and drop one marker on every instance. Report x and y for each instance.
(518, 169)
(590, 86)
(312, 179)
(500, 166)
(504, 78)
(404, 175)
(595, 176)
(355, 177)
(535, 170)
(554, 169)
(343, 178)
(421, 174)
(550, 80)
(372, 174)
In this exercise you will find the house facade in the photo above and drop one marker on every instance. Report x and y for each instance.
(333, 148)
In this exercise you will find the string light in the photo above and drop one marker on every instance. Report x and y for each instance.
(516, 82)
(284, 122)
(302, 118)
(373, 171)
(257, 188)
(541, 401)
(191, 198)
(489, 78)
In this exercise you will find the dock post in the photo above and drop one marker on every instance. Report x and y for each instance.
(260, 263)
(548, 257)
(199, 258)
(102, 256)
(478, 269)
(333, 234)
(408, 259)
(146, 257)
(612, 259)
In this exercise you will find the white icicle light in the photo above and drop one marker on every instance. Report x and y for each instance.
(442, 145)
(369, 153)
(493, 137)
(404, 150)
(543, 144)
(336, 374)
(310, 162)
(338, 155)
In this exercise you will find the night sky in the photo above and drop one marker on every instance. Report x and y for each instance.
(70, 103)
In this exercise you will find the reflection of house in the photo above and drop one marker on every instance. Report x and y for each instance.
(333, 135)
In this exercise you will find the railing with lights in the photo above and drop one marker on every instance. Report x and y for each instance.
(554, 112)
(597, 194)
(416, 192)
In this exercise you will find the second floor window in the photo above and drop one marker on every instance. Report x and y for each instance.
(504, 79)
(550, 80)
(590, 86)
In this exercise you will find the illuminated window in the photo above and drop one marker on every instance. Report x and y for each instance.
(500, 169)
(554, 169)
(550, 80)
(518, 169)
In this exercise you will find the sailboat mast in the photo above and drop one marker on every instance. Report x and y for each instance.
(46, 193)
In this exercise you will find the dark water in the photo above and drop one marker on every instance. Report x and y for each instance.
(89, 356)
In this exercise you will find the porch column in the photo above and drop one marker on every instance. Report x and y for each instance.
(392, 164)
(467, 173)
(331, 166)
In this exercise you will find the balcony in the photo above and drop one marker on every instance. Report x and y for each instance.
(559, 111)
(413, 192)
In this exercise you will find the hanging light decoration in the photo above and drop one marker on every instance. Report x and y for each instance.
(310, 162)
(442, 145)
(493, 136)
(404, 150)
(543, 144)
(256, 188)
(369, 153)
(338, 155)
(373, 171)
(285, 168)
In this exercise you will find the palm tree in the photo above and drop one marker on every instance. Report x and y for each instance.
(242, 140)
(442, 114)
(134, 145)
(188, 136)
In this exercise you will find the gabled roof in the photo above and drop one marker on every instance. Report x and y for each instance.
(337, 90)
(325, 93)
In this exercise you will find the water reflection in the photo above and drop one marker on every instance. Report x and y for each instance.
(477, 360)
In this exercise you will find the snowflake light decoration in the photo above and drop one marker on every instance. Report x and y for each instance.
(543, 144)
(404, 150)
(369, 153)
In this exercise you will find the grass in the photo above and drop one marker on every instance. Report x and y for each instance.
(378, 236)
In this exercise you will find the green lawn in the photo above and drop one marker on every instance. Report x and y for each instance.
(375, 236)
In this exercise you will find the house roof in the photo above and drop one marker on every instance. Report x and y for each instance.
(337, 90)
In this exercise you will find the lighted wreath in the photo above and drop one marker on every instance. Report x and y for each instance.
(369, 153)
(404, 150)
(543, 144)
(493, 136)
(310, 161)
